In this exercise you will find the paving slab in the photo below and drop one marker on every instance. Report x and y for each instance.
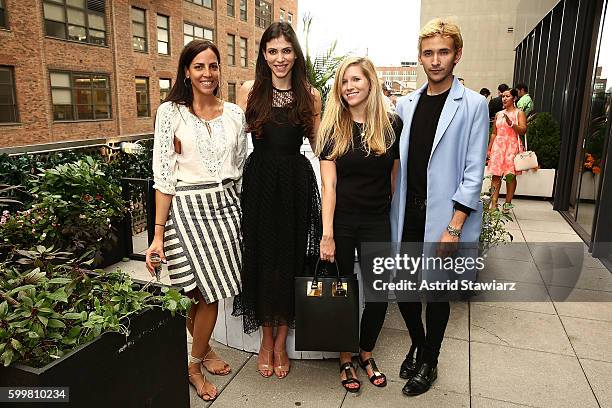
(524, 215)
(540, 236)
(510, 270)
(528, 377)
(457, 325)
(391, 396)
(310, 383)
(599, 374)
(481, 402)
(581, 277)
(546, 226)
(582, 303)
(536, 295)
(517, 328)
(518, 251)
(590, 338)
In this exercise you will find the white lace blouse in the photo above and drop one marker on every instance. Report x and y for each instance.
(211, 151)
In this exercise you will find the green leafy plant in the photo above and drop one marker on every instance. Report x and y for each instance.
(50, 304)
(74, 207)
(493, 231)
(543, 137)
(322, 69)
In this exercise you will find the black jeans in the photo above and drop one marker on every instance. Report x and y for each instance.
(436, 313)
(350, 230)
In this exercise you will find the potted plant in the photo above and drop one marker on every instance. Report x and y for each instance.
(112, 341)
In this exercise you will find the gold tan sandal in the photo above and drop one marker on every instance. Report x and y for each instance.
(202, 393)
(212, 357)
(282, 370)
(268, 365)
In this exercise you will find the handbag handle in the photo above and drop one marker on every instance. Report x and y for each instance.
(314, 283)
(519, 137)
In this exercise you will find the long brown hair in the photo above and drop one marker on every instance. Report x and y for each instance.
(259, 103)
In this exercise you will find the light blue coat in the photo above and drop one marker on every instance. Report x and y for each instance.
(456, 165)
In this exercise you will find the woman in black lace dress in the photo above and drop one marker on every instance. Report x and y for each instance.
(280, 199)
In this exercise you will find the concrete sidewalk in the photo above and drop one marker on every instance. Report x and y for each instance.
(536, 354)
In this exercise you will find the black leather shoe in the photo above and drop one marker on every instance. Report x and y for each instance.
(411, 363)
(422, 380)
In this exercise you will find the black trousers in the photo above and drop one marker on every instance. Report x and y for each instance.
(350, 230)
(437, 313)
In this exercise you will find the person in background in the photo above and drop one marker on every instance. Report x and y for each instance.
(495, 104)
(525, 103)
(199, 150)
(504, 145)
(485, 92)
(386, 94)
(357, 149)
(462, 81)
(281, 207)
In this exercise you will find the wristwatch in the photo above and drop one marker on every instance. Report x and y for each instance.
(455, 232)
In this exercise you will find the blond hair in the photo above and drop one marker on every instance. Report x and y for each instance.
(336, 128)
(443, 27)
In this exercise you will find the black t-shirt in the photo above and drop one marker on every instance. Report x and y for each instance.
(422, 133)
(363, 182)
(495, 105)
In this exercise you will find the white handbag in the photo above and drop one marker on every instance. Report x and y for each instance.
(525, 160)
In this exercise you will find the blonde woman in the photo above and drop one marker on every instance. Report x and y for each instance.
(358, 151)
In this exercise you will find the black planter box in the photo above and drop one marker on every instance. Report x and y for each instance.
(148, 368)
(115, 250)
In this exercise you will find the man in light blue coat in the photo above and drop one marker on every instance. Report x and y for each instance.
(437, 194)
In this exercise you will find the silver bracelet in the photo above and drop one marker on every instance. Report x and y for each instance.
(455, 232)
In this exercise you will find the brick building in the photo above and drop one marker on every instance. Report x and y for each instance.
(83, 69)
(400, 79)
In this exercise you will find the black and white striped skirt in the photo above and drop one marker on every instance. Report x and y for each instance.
(202, 240)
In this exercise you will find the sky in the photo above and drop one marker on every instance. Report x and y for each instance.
(384, 30)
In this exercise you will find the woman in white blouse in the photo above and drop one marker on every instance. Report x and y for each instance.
(199, 152)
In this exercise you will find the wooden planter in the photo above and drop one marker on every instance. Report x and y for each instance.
(148, 368)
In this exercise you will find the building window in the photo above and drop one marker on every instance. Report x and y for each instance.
(205, 3)
(231, 5)
(290, 18)
(143, 107)
(164, 88)
(76, 20)
(8, 102)
(80, 96)
(282, 15)
(243, 10)
(139, 29)
(243, 52)
(231, 49)
(231, 92)
(192, 31)
(163, 34)
(3, 22)
(263, 13)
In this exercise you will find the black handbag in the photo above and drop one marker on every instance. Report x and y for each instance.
(326, 312)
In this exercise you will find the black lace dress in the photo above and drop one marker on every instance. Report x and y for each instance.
(281, 221)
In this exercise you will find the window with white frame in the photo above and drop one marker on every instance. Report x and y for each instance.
(75, 20)
(192, 32)
(139, 29)
(163, 34)
(80, 96)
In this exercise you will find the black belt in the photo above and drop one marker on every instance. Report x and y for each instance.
(419, 203)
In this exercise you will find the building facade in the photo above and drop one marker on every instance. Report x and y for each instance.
(487, 27)
(564, 50)
(84, 69)
(400, 79)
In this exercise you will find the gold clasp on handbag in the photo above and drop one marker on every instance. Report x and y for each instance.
(339, 289)
(315, 290)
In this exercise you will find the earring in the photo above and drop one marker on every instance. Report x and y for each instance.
(185, 82)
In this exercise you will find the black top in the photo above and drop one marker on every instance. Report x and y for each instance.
(363, 182)
(422, 133)
(495, 105)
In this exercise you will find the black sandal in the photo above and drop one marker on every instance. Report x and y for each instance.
(346, 367)
(376, 375)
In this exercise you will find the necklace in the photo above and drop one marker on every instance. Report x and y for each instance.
(361, 127)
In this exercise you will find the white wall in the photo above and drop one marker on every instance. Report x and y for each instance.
(529, 14)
